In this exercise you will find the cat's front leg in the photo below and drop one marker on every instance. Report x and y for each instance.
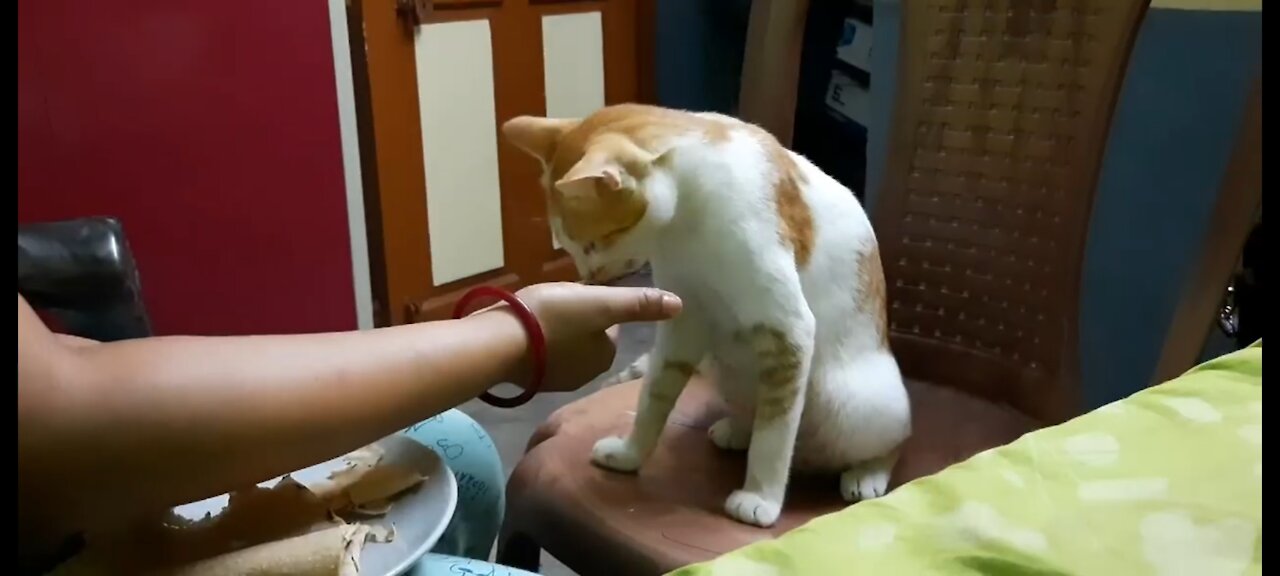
(783, 351)
(680, 345)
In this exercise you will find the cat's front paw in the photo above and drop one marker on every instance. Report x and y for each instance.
(752, 508)
(729, 436)
(615, 454)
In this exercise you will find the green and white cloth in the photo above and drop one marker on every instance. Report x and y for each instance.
(1165, 482)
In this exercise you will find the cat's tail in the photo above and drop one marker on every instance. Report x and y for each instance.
(635, 371)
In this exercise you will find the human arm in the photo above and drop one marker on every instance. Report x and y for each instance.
(144, 424)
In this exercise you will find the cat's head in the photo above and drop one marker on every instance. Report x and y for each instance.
(601, 202)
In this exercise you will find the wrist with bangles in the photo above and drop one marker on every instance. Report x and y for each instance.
(532, 329)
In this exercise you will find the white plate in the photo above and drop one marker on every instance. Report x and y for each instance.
(419, 515)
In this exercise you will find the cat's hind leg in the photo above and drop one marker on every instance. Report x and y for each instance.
(869, 479)
(856, 419)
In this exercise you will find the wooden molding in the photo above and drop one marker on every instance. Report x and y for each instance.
(771, 66)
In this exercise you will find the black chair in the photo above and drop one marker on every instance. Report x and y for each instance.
(82, 274)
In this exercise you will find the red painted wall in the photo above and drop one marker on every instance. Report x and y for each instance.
(211, 130)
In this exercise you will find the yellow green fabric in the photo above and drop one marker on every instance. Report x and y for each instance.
(1167, 481)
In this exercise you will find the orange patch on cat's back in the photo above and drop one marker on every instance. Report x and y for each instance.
(797, 220)
(793, 211)
(871, 288)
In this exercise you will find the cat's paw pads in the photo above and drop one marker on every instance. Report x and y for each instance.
(615, 454)
(752, 508)
(864, 482)
(727, 436)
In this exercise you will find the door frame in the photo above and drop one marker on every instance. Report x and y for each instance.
(390, 137)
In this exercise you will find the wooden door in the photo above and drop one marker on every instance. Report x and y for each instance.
(449, 204)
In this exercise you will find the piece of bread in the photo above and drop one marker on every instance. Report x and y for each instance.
(331, 552)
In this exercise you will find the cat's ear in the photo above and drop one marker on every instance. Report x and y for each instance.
(537, 136)
(612, 163)
(593, 174)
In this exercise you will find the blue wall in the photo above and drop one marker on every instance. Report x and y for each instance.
(698, 53)
(1174, 130)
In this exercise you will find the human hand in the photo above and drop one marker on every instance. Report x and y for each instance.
(579, 322)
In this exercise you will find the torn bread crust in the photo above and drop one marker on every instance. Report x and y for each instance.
(381, 483)
(369, 456)
(358, 463)
(355, 536)
(334, 551)
(372, 509)
(288, 520)
(365, 485)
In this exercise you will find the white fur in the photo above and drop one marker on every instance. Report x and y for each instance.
(712, 236)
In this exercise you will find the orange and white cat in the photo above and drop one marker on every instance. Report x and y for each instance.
(781, 280)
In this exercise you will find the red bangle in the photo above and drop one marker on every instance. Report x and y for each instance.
(537, 341)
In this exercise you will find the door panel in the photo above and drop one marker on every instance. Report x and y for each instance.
(454, 206)
(572, 66)
(460, 149)
(573, 63)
